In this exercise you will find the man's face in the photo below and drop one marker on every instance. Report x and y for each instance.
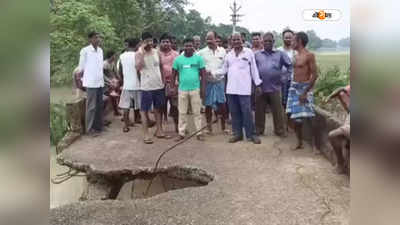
(165, 44)
(237, 41)
(95, 40)
(188, 48)
(287, 38)
(295, 43)
(197, 43)
(219, 42)
(211, 42)
(173, 44)
(268, 42)
(148, 44)
(256, 40)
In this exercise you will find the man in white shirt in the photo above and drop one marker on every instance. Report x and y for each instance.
(241, 70)
(131, 83)
(287, 36)
(197, 43)
(213, 57)
(91, 71)
(151, 84)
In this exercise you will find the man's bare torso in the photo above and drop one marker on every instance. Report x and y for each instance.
(303, 66)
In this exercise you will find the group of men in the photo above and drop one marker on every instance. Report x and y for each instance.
(228, 81)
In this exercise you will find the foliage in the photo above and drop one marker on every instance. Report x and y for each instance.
(314, 42)
(116, 20)
(344, 42)
(70, 22)
(58, 123)
(328, 43)
(330, 80)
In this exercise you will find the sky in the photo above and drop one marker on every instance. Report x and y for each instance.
(268, 15)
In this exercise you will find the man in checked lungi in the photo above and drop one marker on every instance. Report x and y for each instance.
(300, 98)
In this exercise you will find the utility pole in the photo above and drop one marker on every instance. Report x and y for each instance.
(235, 16)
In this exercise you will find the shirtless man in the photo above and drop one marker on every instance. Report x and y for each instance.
(341, 134)
(300, 97)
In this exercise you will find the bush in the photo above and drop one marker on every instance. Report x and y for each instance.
(58, 122)
(328, 81)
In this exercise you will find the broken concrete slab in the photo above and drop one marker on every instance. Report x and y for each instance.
(252, 184)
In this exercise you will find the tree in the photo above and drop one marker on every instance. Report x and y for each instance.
(344, 42)
(314, 42)
(70, 22)
(124, 15)
(328, 43)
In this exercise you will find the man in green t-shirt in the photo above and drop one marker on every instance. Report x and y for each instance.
(189, 68)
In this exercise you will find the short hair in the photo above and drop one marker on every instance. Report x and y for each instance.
(215, 33)
(133, 42)
(165, 36)
(270, 34)
(287, 31)
(236, 34)
(195, 37)
(243, 34)
(155, 41)
(302, 36)
(110, 54)
(92, 34)
(172, 37)
(146, 35)
(186, 40)
(256, 34)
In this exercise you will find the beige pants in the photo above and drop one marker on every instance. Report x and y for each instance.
(184, 99)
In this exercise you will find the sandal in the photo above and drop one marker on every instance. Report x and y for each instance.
(227, 132)
(179, 138)
(164, 136)
(125, 129)
(148, 141)
(106, 123)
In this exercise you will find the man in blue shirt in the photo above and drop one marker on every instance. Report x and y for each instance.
(270, 63)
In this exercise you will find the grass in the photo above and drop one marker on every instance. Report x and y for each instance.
(61, 94)
(58, 123)
(328, 60)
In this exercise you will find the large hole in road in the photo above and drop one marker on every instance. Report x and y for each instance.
(164, 181)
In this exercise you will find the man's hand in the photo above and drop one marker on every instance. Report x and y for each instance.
(172, 89)
(303, 98)
(173, 92)
(209, 75)
(258, 91)
(78, 80)
(326, 100)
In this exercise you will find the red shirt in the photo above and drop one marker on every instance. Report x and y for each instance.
(167, 60)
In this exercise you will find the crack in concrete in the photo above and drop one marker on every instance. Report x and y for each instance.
(323, 199)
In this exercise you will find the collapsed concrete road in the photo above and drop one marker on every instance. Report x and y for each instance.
(240, 183)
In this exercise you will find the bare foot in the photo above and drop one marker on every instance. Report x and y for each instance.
(316, 151)
(339, 169)
(297, 147)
